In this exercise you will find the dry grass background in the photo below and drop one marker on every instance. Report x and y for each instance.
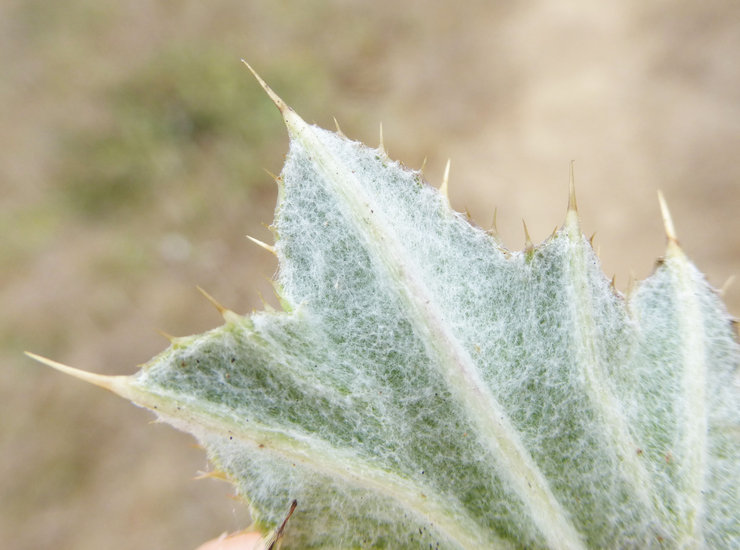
(131, 153)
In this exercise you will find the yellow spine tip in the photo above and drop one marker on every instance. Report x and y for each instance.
(275, 178)
(292, 121)
(381, 145)
(170, 338)
(571, 217)
(670, 230)
(339, 130)
(527, 239)
(572, 204)
(279, 103)
(423, 165)
(265, 306)
(224, 311)
(266, 246)
(101, 380)
(213, 474)
(443, 189)
(494, 224)
(727, 284)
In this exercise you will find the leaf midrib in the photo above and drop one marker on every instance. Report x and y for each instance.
(495, 429)
(601, 397)
(692, 396)
(316, 454)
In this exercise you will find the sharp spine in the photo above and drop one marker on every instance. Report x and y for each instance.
(279, 103)
(275, 178)
(674, 248)
(213, 474)
(726, 285)
(339, 130)
(292, 121)
(225, 312)
(170, 338)
(443, 189)
(571, 216)
(527, 239)
(266, 246)
(572, 204)
(493, 231)
(110, 383)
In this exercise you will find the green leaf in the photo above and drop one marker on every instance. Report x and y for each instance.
(426, 388)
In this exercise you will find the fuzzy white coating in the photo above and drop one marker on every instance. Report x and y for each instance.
(430, 389)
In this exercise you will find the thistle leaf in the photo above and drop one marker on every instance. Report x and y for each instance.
(426, 388)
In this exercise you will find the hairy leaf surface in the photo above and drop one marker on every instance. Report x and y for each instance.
(424, 387)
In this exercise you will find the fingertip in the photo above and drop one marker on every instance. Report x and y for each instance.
(241, 541)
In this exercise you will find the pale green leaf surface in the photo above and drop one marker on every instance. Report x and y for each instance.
(427, 388)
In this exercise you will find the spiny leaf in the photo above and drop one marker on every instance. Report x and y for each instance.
(424, 387)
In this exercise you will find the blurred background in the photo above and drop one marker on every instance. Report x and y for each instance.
(133, 145)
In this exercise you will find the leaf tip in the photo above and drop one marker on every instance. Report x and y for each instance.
(212, 474)
(572, 204)
(277, 179)
(264, 245)
(670, 230)
(571, 216)
(493, 231)
(444, 188)
(726, 285)
(527, 239)
(225, 312)
(338, 129)
(110, 383)
(265, 305)
(170, 338)
(284, 302)
(290, 117)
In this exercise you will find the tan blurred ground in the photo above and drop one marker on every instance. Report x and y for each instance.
(644, 96)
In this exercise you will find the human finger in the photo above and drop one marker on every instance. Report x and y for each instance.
(242, 541)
